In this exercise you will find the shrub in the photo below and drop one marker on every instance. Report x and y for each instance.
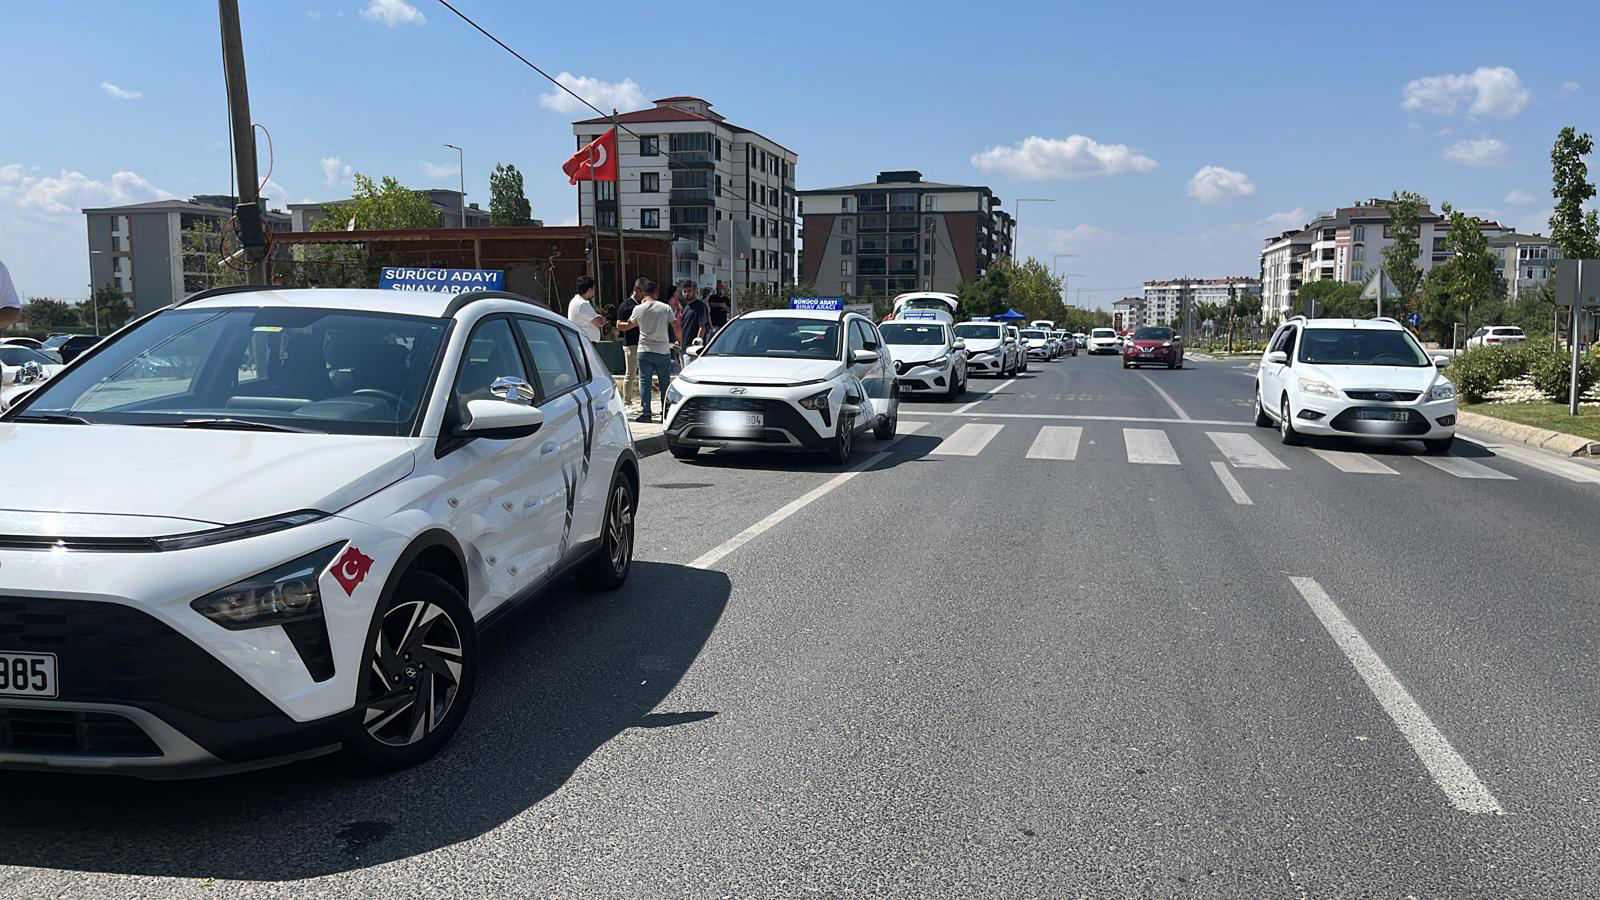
(1476, 373)
(1552, 373)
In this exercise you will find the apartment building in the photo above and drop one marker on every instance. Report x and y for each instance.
(450, 204)
(901, 233)
(1282, 261)
(1128, 313)
(1528, 260)
(1163, 300)
(685, 169)
(139, 248)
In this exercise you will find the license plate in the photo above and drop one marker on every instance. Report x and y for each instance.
(1384, 415)
(1146, 355)
(737, 421)
(27, 674)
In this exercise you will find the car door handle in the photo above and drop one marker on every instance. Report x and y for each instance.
(548, 449)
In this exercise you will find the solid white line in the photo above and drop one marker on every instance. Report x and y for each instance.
(1149, 446)
(1235, 490)
(968, 440)
(986, 395)
(710, 558)
(1056, 442)
(909, 427)
(1167, 397)
(1064, 417)
(1465, 468)
(1450, 772)
(1544, 462)
(1243, 451)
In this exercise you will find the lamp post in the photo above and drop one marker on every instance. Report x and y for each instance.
(461, 169)
(1016, 241)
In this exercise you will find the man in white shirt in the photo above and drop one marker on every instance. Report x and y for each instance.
(10, 303)
(580, 309)
(659, 333)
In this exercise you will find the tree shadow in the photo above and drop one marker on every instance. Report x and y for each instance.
(558, 681)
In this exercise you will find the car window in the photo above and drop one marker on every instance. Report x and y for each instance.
(552, 361)
(16, 356)
(1362, 347)
(580, 353)
(778, 337)
(1480, 332)
(1291, 336)
(1153, 334)
(490, 354)
(858, 340)
(921, 335)
(978, 331)
(1103, 333)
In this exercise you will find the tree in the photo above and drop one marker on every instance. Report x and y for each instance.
(115, 310)
(1400, 257)
(42, 312)
(1334, 300)
(379, 205)
(1466, 288)
(508, 203)
(986, 296)
(1575, 232)
(203, 248)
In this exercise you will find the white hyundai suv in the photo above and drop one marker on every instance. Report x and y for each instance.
(287, 537)
(785, 379)
(1355, 378)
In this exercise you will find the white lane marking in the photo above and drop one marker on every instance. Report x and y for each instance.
(1450, 772)
(1149, 446)
(986, 395)
(1235, 490)
(1065, 417)
(1056, 442)
(1465, 468)
(968, 440)
(1544, 462)
(1167, 397)
(711, 557)
(1243, 451)
(910, 427)
(1351, 461)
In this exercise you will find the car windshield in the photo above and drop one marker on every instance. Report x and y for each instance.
(978, 332)
(1361, 347)
(327, 370)
(926, 303)
(55, 340)
(920, 335)
(1034, 333)
(1509, 331)
(1103, 333)
(1153, 334)
(16, 356)
(777, 336)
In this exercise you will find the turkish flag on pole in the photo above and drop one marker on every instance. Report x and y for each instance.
(595, 162)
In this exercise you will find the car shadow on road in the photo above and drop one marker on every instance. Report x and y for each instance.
(559, 680)
(903, 449)
(1397, 447)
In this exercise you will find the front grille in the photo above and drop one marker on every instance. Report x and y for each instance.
(1387, 396)
(1348, 421)
(72, 732)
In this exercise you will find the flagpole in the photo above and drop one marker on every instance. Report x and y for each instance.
(622, 251)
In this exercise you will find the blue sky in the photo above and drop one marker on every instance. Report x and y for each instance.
(1199, 129)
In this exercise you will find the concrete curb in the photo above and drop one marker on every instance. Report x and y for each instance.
(650, 445)
(1543, 438)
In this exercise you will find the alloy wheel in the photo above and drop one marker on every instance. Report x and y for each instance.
(414, 673)
(619, 529)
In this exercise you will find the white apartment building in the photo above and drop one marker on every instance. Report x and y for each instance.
(1281, 262)
(1528, 260)
(685, 169)
(1163, 300)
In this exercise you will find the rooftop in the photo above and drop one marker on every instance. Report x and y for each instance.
(677, 109)
(1199, 282)
(907, 179)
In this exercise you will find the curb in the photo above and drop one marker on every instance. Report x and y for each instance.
(650, 446)
(1543, 438)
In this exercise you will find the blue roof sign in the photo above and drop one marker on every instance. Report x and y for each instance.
(824, 304)
(441, 281)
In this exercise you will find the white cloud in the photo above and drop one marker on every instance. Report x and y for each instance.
(435, 170)
(277, 195)
(336, 172)
(1479, 153)
(1216, 185)
(120, 93)
(1487, 91)
(393, 13)
(623, 95)
(1282, 221)
(1570, 87)
(1519, 198)
(1038, 159)
(313, 14)
(70, 191)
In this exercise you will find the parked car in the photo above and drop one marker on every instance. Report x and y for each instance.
(1069, 344)
(70, 346)
(1019, 349)
(1037, 343)
(311, 564)
(928, 357)
(1496, 336)
(987, 353)
(1366, 379)
(1153, 346)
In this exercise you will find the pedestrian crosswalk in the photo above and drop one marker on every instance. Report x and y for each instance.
(1180, 445)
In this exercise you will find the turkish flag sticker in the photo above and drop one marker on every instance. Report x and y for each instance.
(351, 569)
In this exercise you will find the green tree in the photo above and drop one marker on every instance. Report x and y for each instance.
(1334, 300)
(42, 312)
(202, 246)
(988, 295)
(508, 202)
(1034, 292)
(1400, 257)
(1468, 288)
(379, 206)
(115, 310)
(1575, 232)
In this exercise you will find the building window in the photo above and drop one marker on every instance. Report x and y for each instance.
(844, 226)
(649, 145)
(649, 182)
(848, 289)
(608, 218)
(605, 190)
(1359, 253)
(930, 202)
(930, 226)
(927, 267)
(847, 246)
(844, 267)
(649, 218)
(927, 246)
(1355, 273)
(844, 204)
(1359, 233)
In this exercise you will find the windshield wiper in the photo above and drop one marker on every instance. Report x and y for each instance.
(226, 423)
(53, 418)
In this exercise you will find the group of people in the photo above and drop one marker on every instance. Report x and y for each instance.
(654, 330)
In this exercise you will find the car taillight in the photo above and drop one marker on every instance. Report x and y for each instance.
(1493, 340)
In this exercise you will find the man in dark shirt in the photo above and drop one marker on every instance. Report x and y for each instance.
(630, 352)
(696, 319)
(720, 307)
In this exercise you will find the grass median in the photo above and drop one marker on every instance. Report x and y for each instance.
(1544, 415)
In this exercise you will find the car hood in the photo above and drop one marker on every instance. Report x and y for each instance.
(981, 345)
(219, 477)
(760, 370)
(915, 353)
(1400, 378)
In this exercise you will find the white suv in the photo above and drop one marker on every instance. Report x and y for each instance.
(785, 379)
(987, 350)
(1354, 378)
(1103, 340)
(287, 537)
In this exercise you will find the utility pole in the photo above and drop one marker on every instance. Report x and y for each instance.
(461, 169)
(247, 208)
(1016, 223)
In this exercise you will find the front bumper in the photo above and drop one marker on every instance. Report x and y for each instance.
(1149, 354)
(1039, 353)
(1344, 418)
(785, 426)
(925, 379)
(985, 364)
(1109, 347)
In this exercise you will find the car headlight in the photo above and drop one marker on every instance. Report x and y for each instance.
(817, 401)
(282, 595)
(682, 377)
(237, 532)
(674, 396)
(939, 363)
(1318, 388)
(1167, 344)
(1442, 390)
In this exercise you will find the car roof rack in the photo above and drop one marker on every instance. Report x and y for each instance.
(235, 289)
(462, 300)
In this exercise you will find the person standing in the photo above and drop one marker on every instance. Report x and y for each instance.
(581, 311)
(696, 319)
(720, 307)
(659, 334)
(10, 303)
(630, 349)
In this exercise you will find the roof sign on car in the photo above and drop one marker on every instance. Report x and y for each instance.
(821, 304)
(924, 314)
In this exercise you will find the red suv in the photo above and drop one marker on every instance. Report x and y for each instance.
(1153, 346)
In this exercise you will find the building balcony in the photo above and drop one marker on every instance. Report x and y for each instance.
(685, 159)
(695, 196)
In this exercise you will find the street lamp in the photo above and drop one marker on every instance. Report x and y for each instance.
(461, 169)
(1016, 239)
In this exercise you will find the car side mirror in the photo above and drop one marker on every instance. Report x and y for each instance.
(1441, 361)
(1278, 357)
(500, 420)
(864, 357)
(693, 350)
(1011, 340)
(959, 346)
(1177, 339)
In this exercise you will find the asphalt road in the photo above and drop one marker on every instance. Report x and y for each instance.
(1087, 633)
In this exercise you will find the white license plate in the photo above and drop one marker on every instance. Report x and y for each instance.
(736, 421)
(27, 674)
(1383, 415)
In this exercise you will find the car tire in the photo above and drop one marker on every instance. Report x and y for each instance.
(1126, 364)
(1180, 363)
(1172, 364)
(885, 429)
(1439, 446)
(683, 451)
(1286, 432)
(843, 441)
(1262, 419)
(608, 567)
(391, 733)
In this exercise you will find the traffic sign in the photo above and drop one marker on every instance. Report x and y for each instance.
(1568, 290)
(1414, 319)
